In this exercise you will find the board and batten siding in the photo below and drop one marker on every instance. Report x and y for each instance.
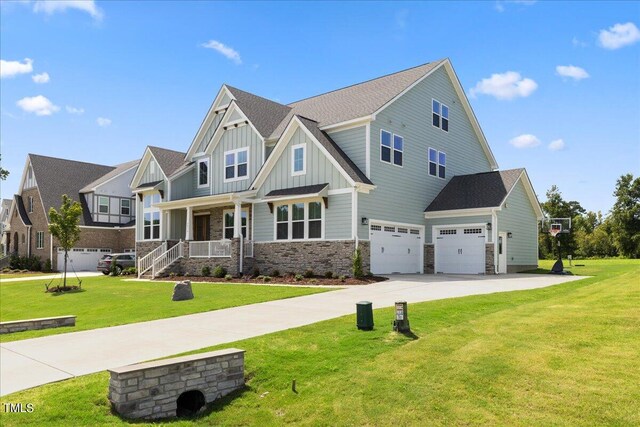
(202, 144)
(319, 169)
(183, 187)
(477, 219)
(177, 224)
(403, 193)
(519, 218)
(203, 191)
(152, 172)
(352, 142)
(337, 219)
(234, 138)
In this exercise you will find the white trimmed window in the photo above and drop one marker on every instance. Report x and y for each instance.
(391, 148)
(299, 159)
(151, 215)
(203, 173)
(236, 164)
(437, 163)
(39, 239)
(125, 207)
(298, 221)
(103, 205)
(229, 222)
(440, 115)
(30, 204)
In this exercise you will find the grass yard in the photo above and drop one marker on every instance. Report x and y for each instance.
(22, 275)
(109, 301)
(563, 355)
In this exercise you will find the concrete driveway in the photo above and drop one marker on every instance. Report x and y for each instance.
(29, 363)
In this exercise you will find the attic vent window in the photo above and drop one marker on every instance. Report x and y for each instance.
(440, 115)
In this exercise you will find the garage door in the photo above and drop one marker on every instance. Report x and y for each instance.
(395, 249)
(82, 259)
(460, 250)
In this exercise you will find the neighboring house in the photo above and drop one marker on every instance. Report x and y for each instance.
(397, 166)
(5, 206)
(108, 221)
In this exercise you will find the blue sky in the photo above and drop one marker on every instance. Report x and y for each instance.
(555, 86)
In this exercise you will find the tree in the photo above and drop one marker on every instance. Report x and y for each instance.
(625, 216)
(3, 172)
(65, 226)
(557, 207)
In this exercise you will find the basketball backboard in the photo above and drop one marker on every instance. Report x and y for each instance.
(561, 224)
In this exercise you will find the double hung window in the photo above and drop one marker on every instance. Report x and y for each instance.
(391, 148)
(236, 164)
(297, 221)
(437, 163)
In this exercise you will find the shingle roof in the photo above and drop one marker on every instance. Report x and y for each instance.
(168, 160)
(336, 152)
(21, 210)
(56, 177)
(148, 185)
(115, 172)
(297, 191)
(263, 113)
(480, 190)
(355, 101)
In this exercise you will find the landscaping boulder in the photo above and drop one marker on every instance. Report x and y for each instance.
(182, 291)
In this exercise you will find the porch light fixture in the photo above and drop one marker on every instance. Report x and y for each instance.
(364, 220)
(509, 235)
(488, 226)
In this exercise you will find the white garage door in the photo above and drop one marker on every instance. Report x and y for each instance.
(82, 259)
(460, 250)
(395, 249)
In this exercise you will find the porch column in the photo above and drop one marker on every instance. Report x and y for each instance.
(188, 230)
(237, 220)
(167, 225)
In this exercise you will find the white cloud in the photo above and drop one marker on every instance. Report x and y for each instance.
(508, 85)
(525, 141)
(50, 7)
(13, 68)
(556, 145)
(500, 4)
(225, 50)
(103, 122)
(578, 43)
(572, 71)
(41, 78)
(74, 110)
(619, 35)
(38, 105)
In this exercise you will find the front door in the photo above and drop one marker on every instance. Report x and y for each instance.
(201, 231)
(502, 253)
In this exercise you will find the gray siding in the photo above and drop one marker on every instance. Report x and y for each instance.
(319, 169)
(178, 224)
(519, 218)
(337, 219)
(352, 142)
(183, 187)
(204, 191)
(403, 193)
(148, 176)
(478, 219)
(202, 144)
(234, 138)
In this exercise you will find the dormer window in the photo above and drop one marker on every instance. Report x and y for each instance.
(203, 173)
(103, 205)
(125, 207)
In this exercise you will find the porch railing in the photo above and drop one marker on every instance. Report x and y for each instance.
(146, 262)
(166, 258)
(248, 248)
(210, 249)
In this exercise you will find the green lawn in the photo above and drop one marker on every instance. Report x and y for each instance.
(563, 355)
(109, 301)
(23, 275)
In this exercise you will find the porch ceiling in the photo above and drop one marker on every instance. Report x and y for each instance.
(208, 201)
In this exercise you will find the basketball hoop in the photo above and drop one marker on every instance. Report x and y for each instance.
(554, 232)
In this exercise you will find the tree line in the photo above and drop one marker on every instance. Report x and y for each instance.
(616, 234)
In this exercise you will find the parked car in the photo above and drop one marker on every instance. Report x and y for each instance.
(122, 261)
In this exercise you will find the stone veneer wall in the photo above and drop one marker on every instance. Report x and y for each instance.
(151, 390)
(33, 324)
(143, 248)
(429, 259)
(489, 267)
(365, 254)
(296, 257)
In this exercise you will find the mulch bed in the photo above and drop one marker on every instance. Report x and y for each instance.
(286, 280)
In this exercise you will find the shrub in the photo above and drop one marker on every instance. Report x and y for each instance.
(275, 273)
(219, 272)
(131, 271)
(314, 281)
(343, 278)
(47, 265)
(308, 274)
(113, 267)
(369, 274)
(206, 271)
(266, 279)
(255, 273)
(228, 277)
(298, 277)
(357, 264)
(31, 263)
(172, 274)
(328, 274)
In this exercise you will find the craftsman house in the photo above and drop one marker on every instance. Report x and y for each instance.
(108, 220)
(396, 166)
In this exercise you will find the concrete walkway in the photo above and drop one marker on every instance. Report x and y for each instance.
(70, 275)
(29, 363)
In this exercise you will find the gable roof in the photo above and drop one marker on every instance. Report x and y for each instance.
(56, 177)
(263, 113)
(121, 168)
(21, 210)
(480, 190)
(168, 160)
